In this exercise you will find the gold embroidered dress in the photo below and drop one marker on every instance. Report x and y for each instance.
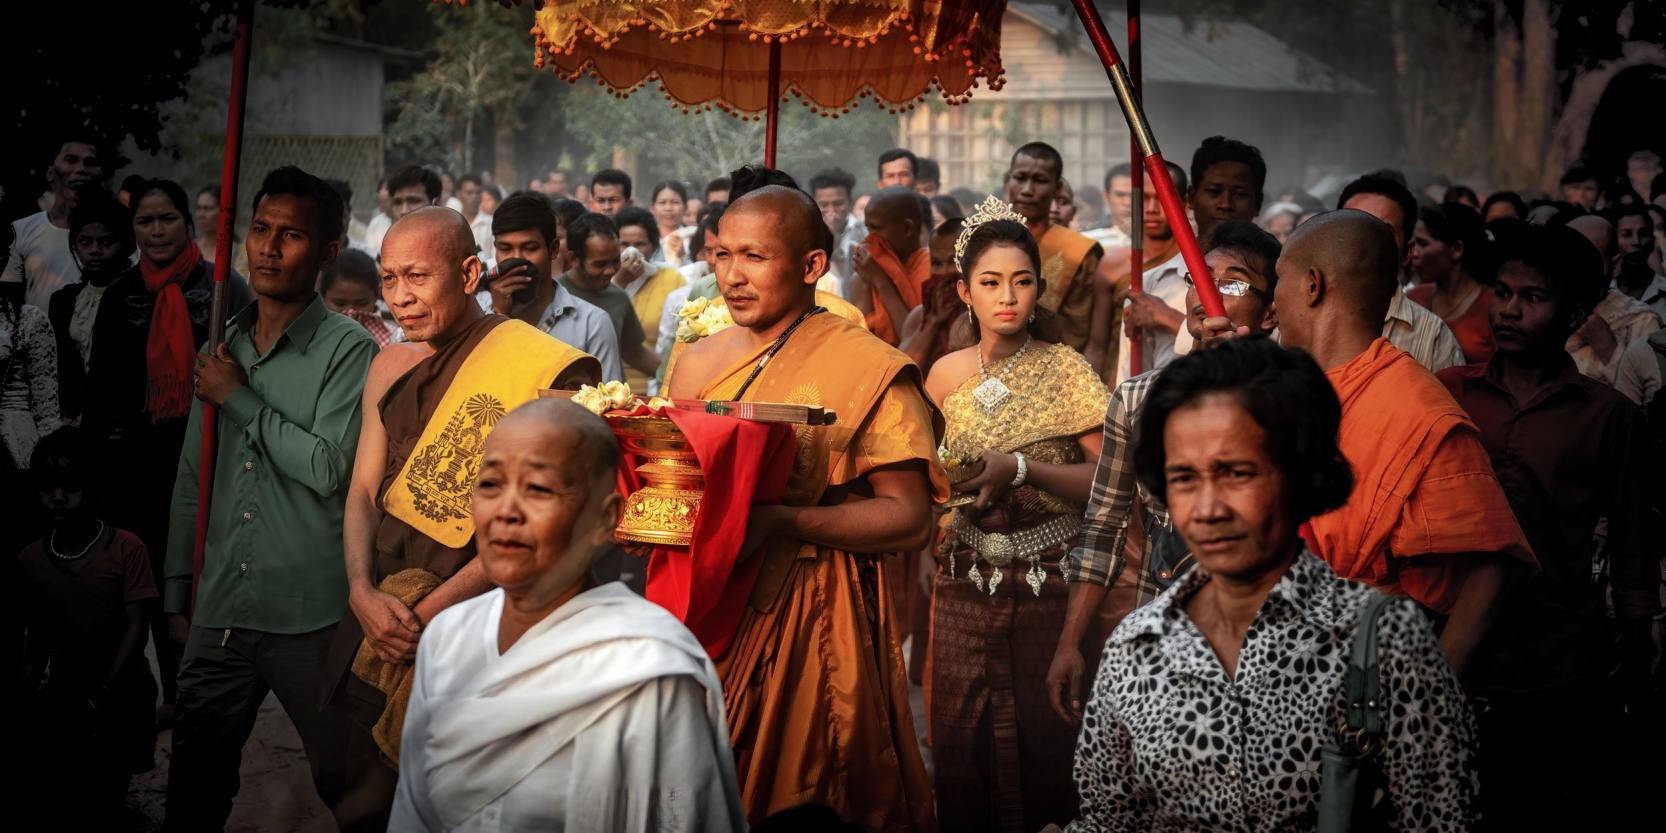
(1002, 757)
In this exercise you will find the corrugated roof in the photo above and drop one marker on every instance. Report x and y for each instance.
(1231, 54)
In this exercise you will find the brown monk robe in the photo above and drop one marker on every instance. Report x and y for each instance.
(1081, 286)
(813, 679)
(428, 406)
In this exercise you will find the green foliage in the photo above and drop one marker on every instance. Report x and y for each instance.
(670, 144)
(481, 69)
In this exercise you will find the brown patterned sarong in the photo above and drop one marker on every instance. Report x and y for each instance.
(1002, 757)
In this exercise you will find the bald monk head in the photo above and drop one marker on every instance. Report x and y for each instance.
(770, 251)
(430, 271)
(1597, 230)
(1336, 278)
(893, 215)
(545, 502)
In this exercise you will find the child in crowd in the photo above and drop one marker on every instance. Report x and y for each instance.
(90, 688)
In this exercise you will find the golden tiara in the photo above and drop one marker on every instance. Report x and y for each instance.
(991, 209)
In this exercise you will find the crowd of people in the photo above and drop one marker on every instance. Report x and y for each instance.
(1391, 513)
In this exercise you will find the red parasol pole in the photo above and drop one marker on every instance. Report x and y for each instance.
(1155, 167)
(222, 267)
(772, 113)
(1136, 188)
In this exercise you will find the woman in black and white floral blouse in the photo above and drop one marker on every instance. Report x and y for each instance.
(1213, 701)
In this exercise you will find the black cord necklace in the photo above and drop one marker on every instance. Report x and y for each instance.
(780, 342)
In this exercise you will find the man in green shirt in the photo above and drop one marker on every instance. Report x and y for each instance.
(593, 257)
(272, 584)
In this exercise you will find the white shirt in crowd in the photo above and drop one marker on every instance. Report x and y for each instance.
(374, 231)
(841, 266)
(41, 259)
(1638, 374)
(607, 715)
(1628, 319)
(1109, 237)
(1654, 295)
(1167, 283)
(1416, 330)
(482, 228)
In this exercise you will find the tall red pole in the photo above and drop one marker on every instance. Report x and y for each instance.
(229, 167)
(1155, 167)
(1136, 189)
(772, 113)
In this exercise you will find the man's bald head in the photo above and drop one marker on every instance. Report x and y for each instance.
(441, 227)
(801, 226)
(1357, 255)
(1597, 230)
(429, 274)
(893, 215)
(579, 434)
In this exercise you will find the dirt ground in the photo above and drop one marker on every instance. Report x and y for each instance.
(276, 793)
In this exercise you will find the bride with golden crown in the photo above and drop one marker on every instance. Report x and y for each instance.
(1022, 439)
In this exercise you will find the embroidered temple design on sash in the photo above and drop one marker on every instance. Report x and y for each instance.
(442, 473)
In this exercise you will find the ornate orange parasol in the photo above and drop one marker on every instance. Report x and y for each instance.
(742, 55)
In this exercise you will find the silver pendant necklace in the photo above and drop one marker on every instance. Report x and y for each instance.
(992, 393)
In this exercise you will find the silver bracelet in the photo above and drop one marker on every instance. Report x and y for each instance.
(1023, 469)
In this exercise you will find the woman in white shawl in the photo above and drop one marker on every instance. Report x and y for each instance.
(551, 703)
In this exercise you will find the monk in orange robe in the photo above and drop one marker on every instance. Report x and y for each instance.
(892, 269)
(813, 678)
(1427, 518)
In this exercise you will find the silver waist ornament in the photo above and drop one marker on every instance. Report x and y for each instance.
(1000, 549)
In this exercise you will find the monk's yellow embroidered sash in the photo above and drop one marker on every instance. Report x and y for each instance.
(507, 368)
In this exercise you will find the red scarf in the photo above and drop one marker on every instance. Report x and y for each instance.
(170, 347)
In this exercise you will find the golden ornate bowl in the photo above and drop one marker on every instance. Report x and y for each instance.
(663, 510)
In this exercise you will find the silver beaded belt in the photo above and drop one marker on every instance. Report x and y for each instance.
(1000, 549)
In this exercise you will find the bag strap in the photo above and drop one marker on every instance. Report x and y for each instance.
(1365, 706)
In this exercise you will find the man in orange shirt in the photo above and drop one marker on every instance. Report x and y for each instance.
(1427, 518)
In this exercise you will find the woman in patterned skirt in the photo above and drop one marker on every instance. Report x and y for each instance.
(1214, 701)
(1024, 417)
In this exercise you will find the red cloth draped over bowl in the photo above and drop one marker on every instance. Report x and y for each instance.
(743, 463)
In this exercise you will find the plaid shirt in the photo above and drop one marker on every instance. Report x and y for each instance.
(1097, 557)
